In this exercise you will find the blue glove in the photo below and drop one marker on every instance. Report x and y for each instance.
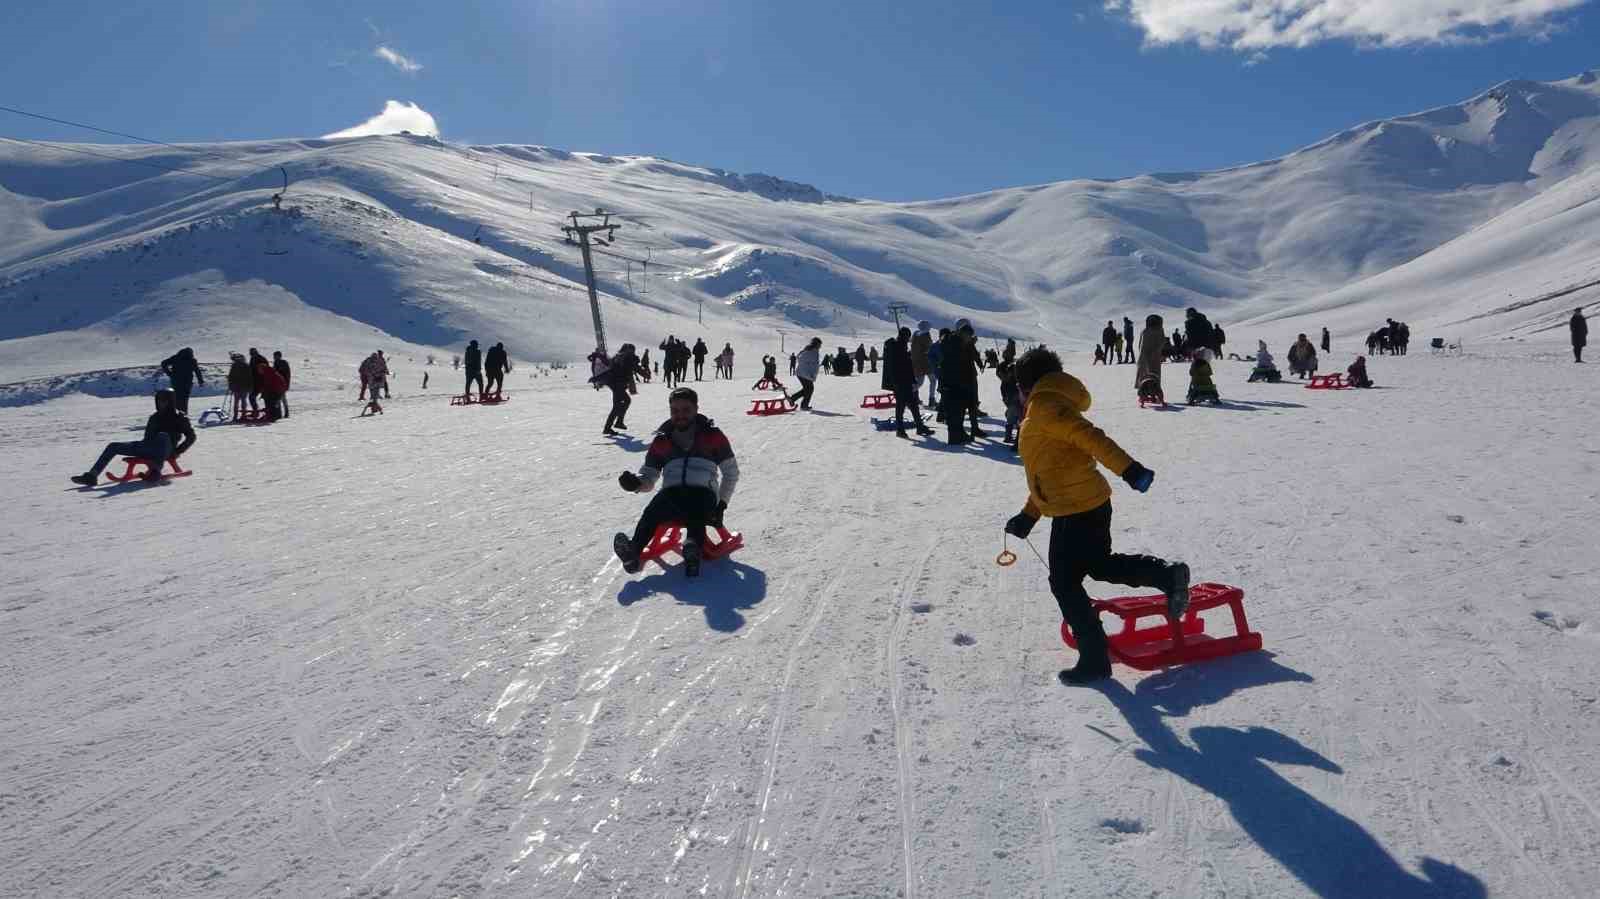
(1020, 525)
(1139, 477)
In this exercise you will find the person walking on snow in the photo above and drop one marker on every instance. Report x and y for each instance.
(1152, 347)
(1327, 341)
(184, 372)
(1060, 449)
(700, 352)
(806, 367)
(497, 364)
(1108, 340)
(167, 435)
(1580, 333)
(619, 377)
(474, 360)
(281, 366)
(1127, 338)
(899, 376)
(694, 463)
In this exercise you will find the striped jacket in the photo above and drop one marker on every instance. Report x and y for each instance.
(707, 463)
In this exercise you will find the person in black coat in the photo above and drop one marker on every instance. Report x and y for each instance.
(1127, 339)
(497, 364)
(1580, 334)
(184, 372)
(1108, 339)
(619, 377)
(167, 435)
(900, 376)
(281, 366)
(473, 358)
(959, 365)
(700, 352)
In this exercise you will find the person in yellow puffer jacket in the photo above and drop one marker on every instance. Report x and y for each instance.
(1060, 451)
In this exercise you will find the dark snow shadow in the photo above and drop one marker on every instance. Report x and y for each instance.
(1331, 854)
(988, 449)
(1253, 405)
(627, 442)
(821, 414)
(107, 489)
(723, 588)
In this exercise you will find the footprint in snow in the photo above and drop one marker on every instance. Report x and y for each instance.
(964, 640)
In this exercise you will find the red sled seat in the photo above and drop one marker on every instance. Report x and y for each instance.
(134, 462)
(252, 417)
(768, 407)
(878, 401)
(494, 399)
(1334, 381)
(465, 399)
(668, 538)
(768, 384)
(1149, 648)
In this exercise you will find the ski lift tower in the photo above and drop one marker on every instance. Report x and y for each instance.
(898, 308)
(583, 225)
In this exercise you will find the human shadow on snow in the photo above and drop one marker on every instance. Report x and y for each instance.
(627, 442)
(723, 588)
(988, 449)
(1252, 405)
(1331, 854)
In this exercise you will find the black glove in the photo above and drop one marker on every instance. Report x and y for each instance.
(1021, 525)
(1139, 477)
(715, 519)
(630, 482)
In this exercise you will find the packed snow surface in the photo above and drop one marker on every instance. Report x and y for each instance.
(394, 655)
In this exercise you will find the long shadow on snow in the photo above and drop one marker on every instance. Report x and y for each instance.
(1252, 405)
(723, 588)
(627, 442)
(989, 449)
(1332, 855)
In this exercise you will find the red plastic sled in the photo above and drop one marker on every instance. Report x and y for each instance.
(768, 407)
(767, 384)
(878, 401)
(464, 399)
(669, 539)
(252, 417)
(1334, 381)
(1147, 649)
(150, 465)
(1151, 401)
(495, 399)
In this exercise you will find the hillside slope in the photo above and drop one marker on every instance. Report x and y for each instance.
(405, 242)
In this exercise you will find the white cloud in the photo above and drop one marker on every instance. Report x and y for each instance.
(398, 60)
(1250, 25)
(395, 118)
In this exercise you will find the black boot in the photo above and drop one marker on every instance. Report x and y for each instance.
(691, 558)
(622, 544)
(87, 479)
(1094, 663)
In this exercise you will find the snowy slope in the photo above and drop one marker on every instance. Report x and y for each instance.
(393, 656)
(412, 244)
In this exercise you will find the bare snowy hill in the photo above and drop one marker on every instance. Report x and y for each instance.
(1459, 218)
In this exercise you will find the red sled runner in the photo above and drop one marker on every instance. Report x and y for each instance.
(134, 462)
(768, 407)
(669, 539)
(1147, 649)
(878, 401)
(767, 384)
(1334, 381)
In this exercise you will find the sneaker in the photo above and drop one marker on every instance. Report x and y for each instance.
(622, 545)
(1086, 672)
(87, 479)
(1177, 590)
(609, 432)
(691, 558)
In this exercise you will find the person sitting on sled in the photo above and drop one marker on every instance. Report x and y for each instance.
(1060, 449)
(1202, 389)
(1357, 373)
(167, 435)
(1266, 369)
(694, 462)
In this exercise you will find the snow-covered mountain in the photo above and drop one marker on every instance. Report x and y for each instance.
(1459, 218)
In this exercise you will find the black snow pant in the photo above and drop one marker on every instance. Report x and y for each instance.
(181, 393)
(803, 395)
(1577, 352)
(154, 449)
(954, 409)
(620, 401)
(1080, 547)
(904, 400)
(694, 506)
(699, 368)
(473, 375)
(497, 380)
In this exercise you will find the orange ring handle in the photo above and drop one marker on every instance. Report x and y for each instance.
(1006, 559)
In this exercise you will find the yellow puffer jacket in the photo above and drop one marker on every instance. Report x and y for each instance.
(1060, 447)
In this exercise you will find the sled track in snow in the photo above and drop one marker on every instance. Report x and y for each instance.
(902, 736)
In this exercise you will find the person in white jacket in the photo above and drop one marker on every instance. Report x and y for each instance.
(806, 368)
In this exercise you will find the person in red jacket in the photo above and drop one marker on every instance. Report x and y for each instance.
(272, 387)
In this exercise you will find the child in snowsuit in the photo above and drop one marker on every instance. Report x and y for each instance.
(1266, 369)
(1007, 373)
(1202, 389)
(1099, 355)
(1060, 451)
(1357, 373)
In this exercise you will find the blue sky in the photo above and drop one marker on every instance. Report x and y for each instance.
(888, 100)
